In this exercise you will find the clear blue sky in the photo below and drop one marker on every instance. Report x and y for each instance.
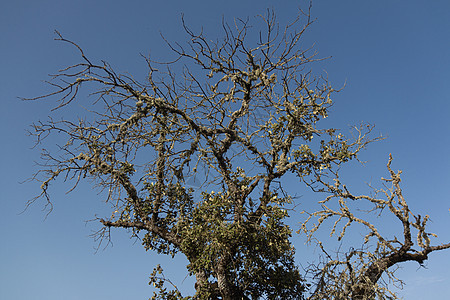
(393, 55)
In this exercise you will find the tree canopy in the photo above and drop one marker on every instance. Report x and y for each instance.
(236, 115)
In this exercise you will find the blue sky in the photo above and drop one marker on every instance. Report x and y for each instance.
(392, 55)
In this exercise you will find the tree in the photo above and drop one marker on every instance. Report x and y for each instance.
(237, 115)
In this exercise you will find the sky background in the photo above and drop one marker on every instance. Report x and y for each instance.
(392, 55)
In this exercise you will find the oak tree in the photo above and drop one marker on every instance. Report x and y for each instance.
(235, 115)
